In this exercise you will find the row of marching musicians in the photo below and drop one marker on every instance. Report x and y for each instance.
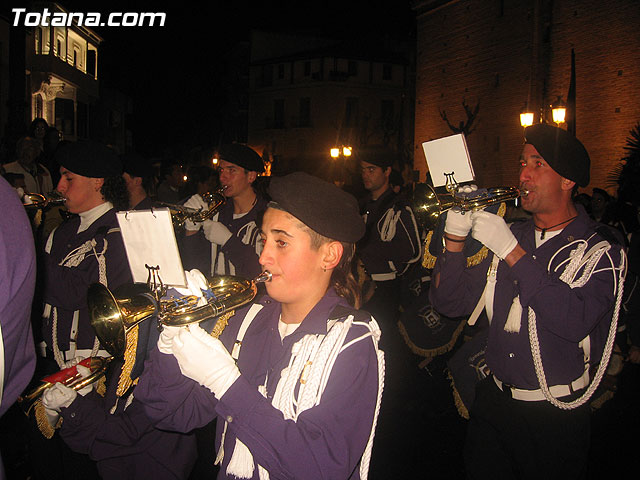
(299, 399)
(295, 380)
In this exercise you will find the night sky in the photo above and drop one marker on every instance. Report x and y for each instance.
(172, 72)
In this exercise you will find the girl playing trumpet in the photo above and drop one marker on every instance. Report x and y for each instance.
(296, 379)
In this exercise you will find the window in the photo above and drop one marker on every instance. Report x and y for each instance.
(387, 72)
(305, 112)
(307, 69)
(59, 47)
(278, 113)
(352, 67)
(281, 71)
(351, 112)
(38, 106)
(91, 63)
(76, 57)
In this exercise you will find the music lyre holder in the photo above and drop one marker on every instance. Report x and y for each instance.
(154, 282)
(451, 185)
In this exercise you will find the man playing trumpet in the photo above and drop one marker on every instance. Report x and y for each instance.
(550, 291)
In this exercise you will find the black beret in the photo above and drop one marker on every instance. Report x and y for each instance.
(136, 165)
(241, 155)
(320, 205)
(377, 155)
(561, 150)
(89, 159)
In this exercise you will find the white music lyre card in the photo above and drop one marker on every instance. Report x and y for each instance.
(448, 155)
(149, 240)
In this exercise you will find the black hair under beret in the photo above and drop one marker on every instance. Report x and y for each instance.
(561, 150)
(320, 205)
(241, 155)
(89, 159)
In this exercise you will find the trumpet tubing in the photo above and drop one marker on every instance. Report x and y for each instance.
(181, 214)
(429, 205)
(112, 315)
(69, 377)
(34, 201)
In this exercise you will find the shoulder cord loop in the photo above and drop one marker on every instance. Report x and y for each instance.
(578, 261)
(74, 259)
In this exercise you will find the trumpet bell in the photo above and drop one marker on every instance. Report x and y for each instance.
(112, 314)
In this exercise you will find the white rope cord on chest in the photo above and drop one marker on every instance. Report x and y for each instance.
(585, 263)
(312, 360)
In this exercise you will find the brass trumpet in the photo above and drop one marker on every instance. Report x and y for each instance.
(113, 315)
(429, 205)
(35, 201)
(181, 214)
(69, 377)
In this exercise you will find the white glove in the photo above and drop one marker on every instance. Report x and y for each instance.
(165, 340)
(72, 363)
(216, 232)
(205, 360)
(196, 283)
(84, 373)
(196, 202)
(458, 223)
(82, 370)
(493, 232)
(55, 398)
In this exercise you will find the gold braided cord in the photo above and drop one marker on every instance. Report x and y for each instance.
(41, 420)
(125, 381)
(428, 260)
(221, 323)
(101, 386)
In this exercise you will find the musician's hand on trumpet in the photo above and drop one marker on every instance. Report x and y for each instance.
(205, 359)
(492, 231)
(197, 203)
(60, 396)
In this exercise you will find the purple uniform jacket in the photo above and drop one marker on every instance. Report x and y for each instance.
(392, 240)
(17, 282)
(564, 315)
(327, 441)
(125, 445)
(240, 250)
(66, 287)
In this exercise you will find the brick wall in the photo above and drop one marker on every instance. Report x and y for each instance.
(501, 53)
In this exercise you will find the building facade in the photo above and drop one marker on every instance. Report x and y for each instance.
(498, 55)
(308, 95)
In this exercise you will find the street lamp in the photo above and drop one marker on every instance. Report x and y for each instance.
(526, 116)
(558, 110)
(344, 150)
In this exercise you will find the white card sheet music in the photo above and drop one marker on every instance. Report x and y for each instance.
(149, 239)
(448, 155)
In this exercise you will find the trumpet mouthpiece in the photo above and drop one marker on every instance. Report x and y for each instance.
(263, 277)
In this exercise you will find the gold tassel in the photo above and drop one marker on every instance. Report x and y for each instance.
(428, 260)
(457, 399)
(434, 351)
(221, 323)
(125, 381)
(41, 420)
